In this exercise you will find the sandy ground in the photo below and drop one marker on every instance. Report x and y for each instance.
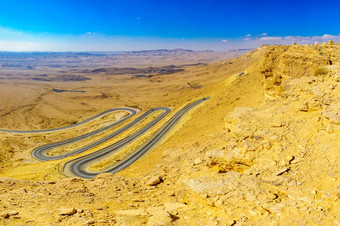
(38, 107)
(262, 150)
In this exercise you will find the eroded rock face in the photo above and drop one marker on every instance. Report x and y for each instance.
(283, 63)
(332, 116)
(226, 161)
(206, 186)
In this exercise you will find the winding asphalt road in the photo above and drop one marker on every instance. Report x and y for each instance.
(77, 167)
(41, 153)
(132, 113)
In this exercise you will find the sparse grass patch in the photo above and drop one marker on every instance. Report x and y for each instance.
(321, 71)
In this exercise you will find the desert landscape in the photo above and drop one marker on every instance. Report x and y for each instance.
(244, 137)
(163, 113)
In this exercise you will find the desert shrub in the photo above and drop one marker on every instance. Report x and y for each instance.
(321, 71)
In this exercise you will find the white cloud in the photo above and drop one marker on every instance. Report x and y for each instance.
(284, 40)
(269, 38)
(90, 33)
(248, 35)
(327, 36)
(16, 40)
(264, 34)
(288, 37)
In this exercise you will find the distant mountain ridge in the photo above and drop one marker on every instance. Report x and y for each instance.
(156, 52)
(166, 52)
(96, 59)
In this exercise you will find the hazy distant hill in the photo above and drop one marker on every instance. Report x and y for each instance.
(160, 57)
(158, 52)
(165, 52)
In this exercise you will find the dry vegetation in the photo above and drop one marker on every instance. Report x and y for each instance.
(321, 71)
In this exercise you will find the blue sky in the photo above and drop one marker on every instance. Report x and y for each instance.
(150, 24)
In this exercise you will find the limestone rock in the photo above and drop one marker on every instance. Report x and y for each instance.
(211, 186)
(281, 64)
(225, 161)
(155, 180)
(332, 128)
(197, 161)
(67, 211)
(304, 107)
(337, 78)
(89, 222)
(158, 216)
(4, 214)
(13, 212)
(233, 119)
(332, 117)
(173, 208)
(131, 217)
(313, 105)
(277, 207)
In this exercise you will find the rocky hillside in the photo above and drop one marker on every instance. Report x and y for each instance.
(282, 63)
(266, 153)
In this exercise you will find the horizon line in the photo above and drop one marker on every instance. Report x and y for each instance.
(117, 51)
